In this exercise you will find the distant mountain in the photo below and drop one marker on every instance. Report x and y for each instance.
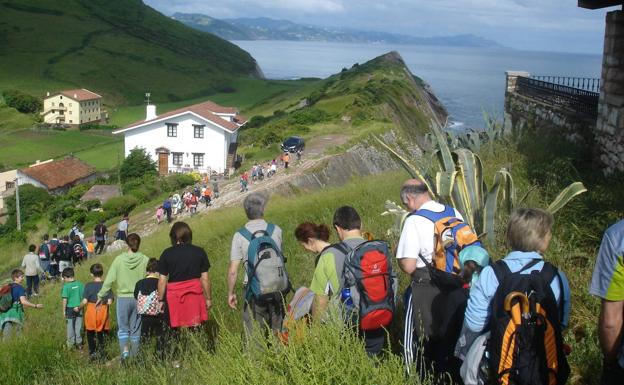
(264, 28)
(118, 48)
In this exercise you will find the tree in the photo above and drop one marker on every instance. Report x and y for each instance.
(137, 165)
(34, 202)
(22, 102)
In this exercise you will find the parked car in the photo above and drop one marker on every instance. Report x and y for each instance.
(293, 144)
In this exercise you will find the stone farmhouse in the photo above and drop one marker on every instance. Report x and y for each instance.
(200, 138)
(72, 107)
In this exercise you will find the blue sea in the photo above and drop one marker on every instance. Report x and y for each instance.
(467, 80)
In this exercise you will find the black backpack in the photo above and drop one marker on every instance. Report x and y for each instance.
(526, 346)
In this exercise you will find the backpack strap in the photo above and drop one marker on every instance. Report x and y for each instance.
(245, 233)
(434, 216)
(501, 270)
(549, 273)
(318, 257)
(342, 247)
(270, 228)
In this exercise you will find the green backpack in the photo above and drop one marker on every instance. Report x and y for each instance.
(6, 297)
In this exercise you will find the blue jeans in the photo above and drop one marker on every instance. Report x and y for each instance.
(129, 326)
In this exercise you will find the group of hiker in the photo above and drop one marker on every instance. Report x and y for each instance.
(467, 318)
(188, 201)
(259, 171)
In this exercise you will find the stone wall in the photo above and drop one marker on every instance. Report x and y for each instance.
(609, 131)
(524, 113)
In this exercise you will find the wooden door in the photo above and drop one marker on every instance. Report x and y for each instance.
(163, 163)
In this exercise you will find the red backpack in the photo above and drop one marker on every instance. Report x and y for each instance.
(369, 276)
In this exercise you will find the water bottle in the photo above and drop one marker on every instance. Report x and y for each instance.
(345, 296)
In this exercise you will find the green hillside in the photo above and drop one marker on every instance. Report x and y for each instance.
(118, 48)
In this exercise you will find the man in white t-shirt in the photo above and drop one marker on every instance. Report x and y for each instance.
(417, 242)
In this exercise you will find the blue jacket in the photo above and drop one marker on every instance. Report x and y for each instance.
(481, 293)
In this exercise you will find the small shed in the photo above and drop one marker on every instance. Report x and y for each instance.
(102, 193)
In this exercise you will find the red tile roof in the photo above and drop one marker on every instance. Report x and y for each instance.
(206, 110)
(80, 94)
(59, 173)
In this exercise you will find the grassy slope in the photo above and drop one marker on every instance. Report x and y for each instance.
(118, 48)
(299, 364)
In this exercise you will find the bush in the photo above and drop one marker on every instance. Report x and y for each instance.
(120, 205)
(24, 103)
(138, 164)
(34, 202)
(92, 204)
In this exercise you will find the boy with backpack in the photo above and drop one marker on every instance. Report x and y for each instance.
(97, 323)
(71, 295)
(79, 250)
(257, 245)
(65, 254)
(99, 233)
(53, 248)
(12, 303)
(44, 255)
(524, 302)
(358, 273)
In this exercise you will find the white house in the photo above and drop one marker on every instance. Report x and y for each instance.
(201, 137)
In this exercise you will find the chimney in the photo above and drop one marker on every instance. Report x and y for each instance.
(48, 93)
(150, 112)
(75, 96)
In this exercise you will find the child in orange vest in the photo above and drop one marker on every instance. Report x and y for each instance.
(97, 323)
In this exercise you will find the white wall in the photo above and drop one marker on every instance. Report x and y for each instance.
(153, 136)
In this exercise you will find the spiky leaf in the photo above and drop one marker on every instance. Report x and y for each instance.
(565, 196)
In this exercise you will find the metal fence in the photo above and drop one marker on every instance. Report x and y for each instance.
(587, 84)
(571, 98)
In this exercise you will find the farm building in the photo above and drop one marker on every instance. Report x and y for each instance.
(200, 138)
(72, 107)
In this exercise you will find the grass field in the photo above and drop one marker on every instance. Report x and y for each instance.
(103, 157)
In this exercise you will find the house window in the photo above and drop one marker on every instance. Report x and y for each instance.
(198, 131)
(172, 130)
(53, 104)
(198, 160)
(70, 104)
(10, 185)
(177, 158)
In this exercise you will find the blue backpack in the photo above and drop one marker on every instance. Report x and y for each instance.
(266, 267)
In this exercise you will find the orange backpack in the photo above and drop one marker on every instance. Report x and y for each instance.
(452, 235)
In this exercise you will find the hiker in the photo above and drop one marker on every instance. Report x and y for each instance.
(44, 256)
(286, 159)
(416, 249)
(254, 172)
(299, 153)
(244, 180)
(12, 302)
(159, 214)
(493, 300)
(215, 187)
(326, 278)
(99, 233)
(167, 208)
(333, 279)
(32, 269)
(207, 196)
(607, 284)
(193, 203)
(266, 308)
(97, 322)
(122, 228)
(184, 283)
(125, 271)
(65, 254)
(71, 295)
(53, 248)
(80, 251)
(273, 169)
(149, 306)
(176, 204)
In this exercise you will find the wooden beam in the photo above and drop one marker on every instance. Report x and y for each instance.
(597, 4)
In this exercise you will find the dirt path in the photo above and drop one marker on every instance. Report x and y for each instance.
(144, 222)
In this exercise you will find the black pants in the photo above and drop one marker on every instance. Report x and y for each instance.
(374, 340)
(168, 212)
(95, 340)
(32, 280)
(285, 164)
(99, 247)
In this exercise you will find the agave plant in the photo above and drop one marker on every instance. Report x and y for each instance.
(459, 182)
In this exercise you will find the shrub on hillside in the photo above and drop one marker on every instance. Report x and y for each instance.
(34, 201)
(176, 181)
(120, 205)
(137, 165)
(22, 102)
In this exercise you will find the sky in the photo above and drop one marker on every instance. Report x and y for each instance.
(536, 25)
